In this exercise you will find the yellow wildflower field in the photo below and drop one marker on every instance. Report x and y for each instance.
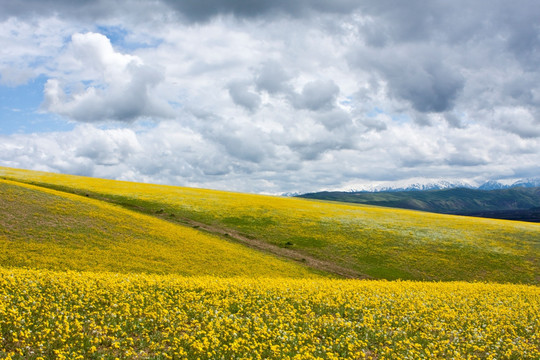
(379, 242)
(83, 315)
(81, 278)
(43, 228)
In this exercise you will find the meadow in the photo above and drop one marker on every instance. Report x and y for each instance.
(376, 242)
(102, 269)
(84, 315)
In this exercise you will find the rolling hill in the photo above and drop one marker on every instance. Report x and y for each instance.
(45, 229)
(364, 241)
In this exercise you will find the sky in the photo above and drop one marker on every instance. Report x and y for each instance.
(272, 96)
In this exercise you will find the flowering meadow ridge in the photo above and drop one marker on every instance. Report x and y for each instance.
(102, 269)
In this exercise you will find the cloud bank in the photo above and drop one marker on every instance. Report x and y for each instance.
(277, 96)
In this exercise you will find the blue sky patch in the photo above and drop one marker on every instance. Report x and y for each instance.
(119, 38)
(20, 110)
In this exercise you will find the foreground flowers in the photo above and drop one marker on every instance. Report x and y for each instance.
(84, 315)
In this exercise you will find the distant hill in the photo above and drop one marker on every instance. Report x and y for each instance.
(516, 203)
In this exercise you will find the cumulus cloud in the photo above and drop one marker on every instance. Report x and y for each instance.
(453, 120)
(174, 154)
(271, 77)
(243, 97)
(121, 85)
(334, 119)
(436, 56)
(415, 74)
(314, 149)
(431, 88)
(374, 123)
(517, 120)
(107, 147)
(31, 44)
(316, 95)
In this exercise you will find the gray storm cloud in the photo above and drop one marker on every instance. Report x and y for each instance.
(203, 10)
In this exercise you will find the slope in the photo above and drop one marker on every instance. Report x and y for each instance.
(380, 242)
(42, 228)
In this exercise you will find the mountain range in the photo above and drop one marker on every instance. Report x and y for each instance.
(517, 201)
(438, 184)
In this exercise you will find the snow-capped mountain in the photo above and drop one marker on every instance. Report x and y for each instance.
(417, 184)
(493, 185)
(530, 182)
(409, 185)
(290, 194)
(438, 185)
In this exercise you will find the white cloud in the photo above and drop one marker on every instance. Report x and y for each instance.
(248, 159)
(242, 96)
(121, 85)
(28, 47)
(316, 95)
(14, 76)
(106, 147)
(517, 120)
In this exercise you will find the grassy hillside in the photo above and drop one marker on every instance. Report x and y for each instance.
(514, 202)
(42, 228)
(379, 242)
(69, 315)
(122, 309)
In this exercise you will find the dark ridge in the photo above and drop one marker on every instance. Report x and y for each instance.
(518, 203)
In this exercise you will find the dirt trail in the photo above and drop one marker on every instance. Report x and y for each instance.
(266, 247)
